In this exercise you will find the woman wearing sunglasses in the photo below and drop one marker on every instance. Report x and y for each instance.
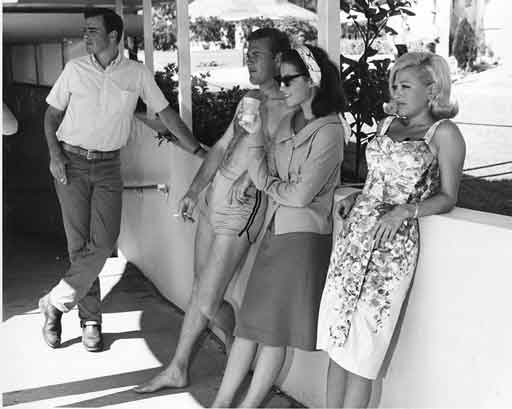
(298, 170)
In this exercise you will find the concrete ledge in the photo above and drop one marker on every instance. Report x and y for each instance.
(453, 344)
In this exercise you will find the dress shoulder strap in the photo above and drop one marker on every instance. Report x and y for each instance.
(385, 125)
(432, 130)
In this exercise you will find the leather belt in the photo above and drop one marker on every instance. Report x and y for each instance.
(90, 154)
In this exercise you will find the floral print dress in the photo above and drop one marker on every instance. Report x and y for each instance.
(366, 285)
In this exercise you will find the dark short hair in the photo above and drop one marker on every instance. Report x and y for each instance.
(112, 20)
(279, 41)
(330, 97)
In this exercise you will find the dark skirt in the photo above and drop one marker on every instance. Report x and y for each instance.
(281, 303)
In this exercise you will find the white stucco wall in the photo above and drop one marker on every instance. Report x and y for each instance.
(454, 344)
(151, 237)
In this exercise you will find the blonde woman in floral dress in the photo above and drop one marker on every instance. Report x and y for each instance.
(414, 169)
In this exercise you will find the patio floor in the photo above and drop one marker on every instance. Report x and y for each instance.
(140, 332)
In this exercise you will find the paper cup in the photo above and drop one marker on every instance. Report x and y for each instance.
(249, 114)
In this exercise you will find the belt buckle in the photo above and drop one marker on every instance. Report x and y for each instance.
(89, 155)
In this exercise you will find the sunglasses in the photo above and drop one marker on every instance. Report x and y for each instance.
(286, 79)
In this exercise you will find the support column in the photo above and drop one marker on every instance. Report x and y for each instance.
(329, 28)
(184, 65)
(443, 16)
(148, 35)
(148, 41)
(119, 10)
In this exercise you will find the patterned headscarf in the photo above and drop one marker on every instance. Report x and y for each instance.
(309, 60)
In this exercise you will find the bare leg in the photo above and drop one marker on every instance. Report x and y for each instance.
(336, 384)
(225, 317)
(239, 362)
(225, 320)
(270, 362)
(357, 394)
(214, 272)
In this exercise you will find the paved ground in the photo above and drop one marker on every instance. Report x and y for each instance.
(485, 119)
(140, 330)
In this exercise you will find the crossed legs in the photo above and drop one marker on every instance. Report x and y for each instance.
(91, 212)
(216, 259)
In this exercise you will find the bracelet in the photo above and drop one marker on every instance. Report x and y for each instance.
(416, 210)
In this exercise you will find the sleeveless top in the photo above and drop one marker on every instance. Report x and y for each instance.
(401, 171)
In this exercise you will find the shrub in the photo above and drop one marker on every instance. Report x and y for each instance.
(465, 45)
(486, 195)
(211, 111)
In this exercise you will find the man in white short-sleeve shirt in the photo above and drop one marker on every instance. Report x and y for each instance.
(88, 120)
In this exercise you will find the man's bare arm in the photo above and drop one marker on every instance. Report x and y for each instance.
(175, 124)
(204, 175)
(211, 163)
(52, 119)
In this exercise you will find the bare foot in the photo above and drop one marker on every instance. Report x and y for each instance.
(168, 378)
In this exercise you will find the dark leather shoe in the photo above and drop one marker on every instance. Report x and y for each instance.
(52, 328)
(91, 336)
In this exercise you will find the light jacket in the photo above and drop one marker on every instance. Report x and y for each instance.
(299, 173)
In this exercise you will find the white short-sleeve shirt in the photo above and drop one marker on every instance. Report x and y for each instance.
(100, 103)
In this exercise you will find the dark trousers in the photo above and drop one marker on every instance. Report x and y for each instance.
(91, 211)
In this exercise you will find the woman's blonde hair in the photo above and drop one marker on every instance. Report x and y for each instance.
(433, 70)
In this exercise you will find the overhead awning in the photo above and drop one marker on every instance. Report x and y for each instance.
(26, 27)
(25, 20)
(66, 6)
(235, 10)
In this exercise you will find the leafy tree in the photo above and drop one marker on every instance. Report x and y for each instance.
(293, 27)
(366, 79)
(206, 29)
(213, 29)
(249, 23)
(164, 26)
